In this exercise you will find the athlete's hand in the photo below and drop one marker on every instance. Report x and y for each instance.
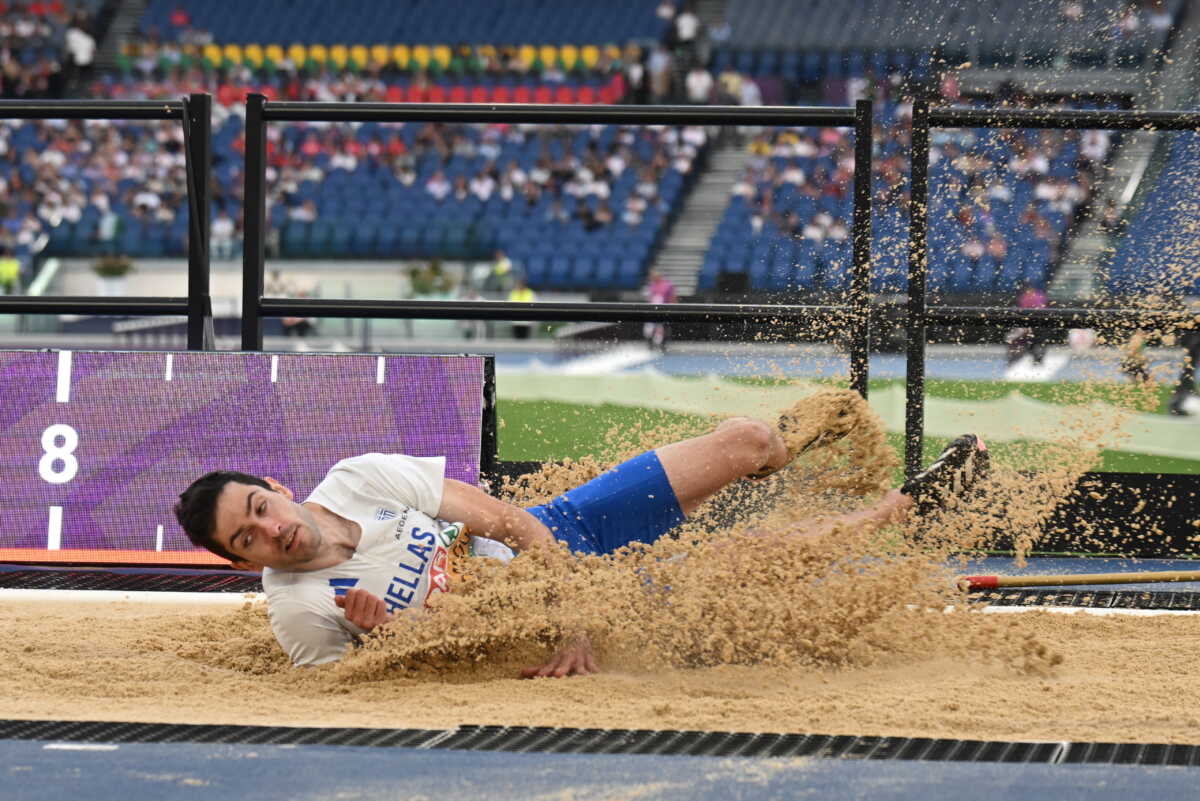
(576, 659)
(363, 609)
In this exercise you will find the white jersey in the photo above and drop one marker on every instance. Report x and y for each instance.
(402, 557)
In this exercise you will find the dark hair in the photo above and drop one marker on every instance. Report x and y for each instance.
(197, 507)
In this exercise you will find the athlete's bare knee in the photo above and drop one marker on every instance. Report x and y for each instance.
(756, 437)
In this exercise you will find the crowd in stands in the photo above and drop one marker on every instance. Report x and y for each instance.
(574, 207)
(1001, 206)
(43, 44)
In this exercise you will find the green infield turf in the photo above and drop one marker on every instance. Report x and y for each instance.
(548, 430)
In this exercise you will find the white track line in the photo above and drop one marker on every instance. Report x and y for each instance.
(80, 747)
(274, 369)
(62, 392)
(1070, 610)
(170, 367)
(54, 529)
(118, 596)
(379, 370)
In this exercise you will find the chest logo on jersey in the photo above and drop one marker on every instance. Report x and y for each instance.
(422, 549)
(385, 514)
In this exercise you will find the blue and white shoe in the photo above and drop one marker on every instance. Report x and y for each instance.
(954, 473)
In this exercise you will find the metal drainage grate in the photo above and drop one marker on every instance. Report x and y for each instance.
(129, 582)
(113, 732)
(743, 744)
(1095, 599)
(538, 739)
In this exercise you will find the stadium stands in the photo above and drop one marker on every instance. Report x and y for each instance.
(1158, 250)
(410, 22)
(569, 203)
(1000, 205)
(576, 208)
(36, 41)
(807, 41)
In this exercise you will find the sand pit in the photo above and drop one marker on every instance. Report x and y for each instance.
(759, 627)
(1122, 679)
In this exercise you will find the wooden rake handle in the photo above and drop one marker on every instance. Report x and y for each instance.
(1070, 579)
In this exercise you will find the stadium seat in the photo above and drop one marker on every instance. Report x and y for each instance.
(400, 56)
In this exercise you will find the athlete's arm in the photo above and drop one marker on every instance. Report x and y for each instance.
(576, 658)
(490, 517)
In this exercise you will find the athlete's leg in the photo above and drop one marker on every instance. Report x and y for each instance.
(893, 507)
(698, 467)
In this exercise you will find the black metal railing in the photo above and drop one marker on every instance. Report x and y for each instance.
(918, 316)
(195, 115)
(854, 316)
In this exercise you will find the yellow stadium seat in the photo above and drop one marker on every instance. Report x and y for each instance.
(212, 52)
(527, 54)
(232, 53)
(298, 54)
(253, 55)
(421, 56)
(442, 55)
(613, 52)
(590, 55)
(486, 51)
(273, 53)
(379, 54)
(318, 53)
(338, 55)
(401, 56)
(569, 55)
(548, 54)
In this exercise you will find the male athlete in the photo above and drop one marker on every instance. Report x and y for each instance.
(381, 532)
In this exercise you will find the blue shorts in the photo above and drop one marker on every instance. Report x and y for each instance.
(633, 502)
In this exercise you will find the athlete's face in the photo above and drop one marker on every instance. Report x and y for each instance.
(265, 527)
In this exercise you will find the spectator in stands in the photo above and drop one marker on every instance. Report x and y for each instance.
(221, 237)
(659, 290)
(1183, 397)
(751, 94)
(502, 277)
(637, 77)
(1022, 341)
(432, 280)
(81, 51)
(658, 69)
(180, 19)
(521, 293)
(686, 28)
(1110, 217)
(699, 83)
(10, 272)
(483, 185)
(305, 212)
(438, 186)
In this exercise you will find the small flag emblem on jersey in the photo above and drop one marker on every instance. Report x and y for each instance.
(340, 585)
(385, 514)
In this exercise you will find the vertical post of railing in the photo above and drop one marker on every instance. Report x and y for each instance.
(199, 315)
(860, 277)
(255, 225)
(918, 260)
(489, 456)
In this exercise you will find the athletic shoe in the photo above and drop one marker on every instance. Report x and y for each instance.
(814, 422)
(954, 473)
